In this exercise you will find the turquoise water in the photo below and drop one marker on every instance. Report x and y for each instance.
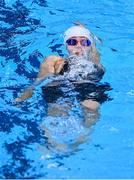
(31, 30)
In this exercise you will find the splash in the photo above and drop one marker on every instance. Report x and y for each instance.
(79, 68)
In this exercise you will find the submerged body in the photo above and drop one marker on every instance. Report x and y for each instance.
(73, 98)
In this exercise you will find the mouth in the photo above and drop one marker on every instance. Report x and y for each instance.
(78, 53)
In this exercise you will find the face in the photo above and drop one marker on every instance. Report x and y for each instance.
(79, 49)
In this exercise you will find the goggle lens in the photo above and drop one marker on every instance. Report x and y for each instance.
(74, 42)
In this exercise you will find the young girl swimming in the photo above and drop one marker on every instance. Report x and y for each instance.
(82, 64)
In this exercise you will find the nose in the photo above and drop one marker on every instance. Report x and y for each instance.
(78, 44)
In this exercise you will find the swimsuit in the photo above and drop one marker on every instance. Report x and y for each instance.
(77, 82)
(82, 91)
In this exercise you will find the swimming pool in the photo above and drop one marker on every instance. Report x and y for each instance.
(31, 30)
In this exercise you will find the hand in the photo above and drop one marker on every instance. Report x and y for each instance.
(90, 104)
(59, 65)
(27, 94)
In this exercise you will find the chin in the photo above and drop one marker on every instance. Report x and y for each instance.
(78, 54)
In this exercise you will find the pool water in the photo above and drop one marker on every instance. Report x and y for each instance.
(35, 145)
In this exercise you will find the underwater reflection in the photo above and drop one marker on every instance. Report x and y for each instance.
(68, 122)
(37, 135)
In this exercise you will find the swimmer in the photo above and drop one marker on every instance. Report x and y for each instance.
(79, 42)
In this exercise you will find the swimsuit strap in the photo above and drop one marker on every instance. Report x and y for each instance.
(65, 68)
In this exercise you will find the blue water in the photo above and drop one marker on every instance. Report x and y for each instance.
(30, 31)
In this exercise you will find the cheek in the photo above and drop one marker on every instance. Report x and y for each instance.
(70, 49)
(88, 48)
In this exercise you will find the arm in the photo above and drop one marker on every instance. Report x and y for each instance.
(95, 55)
(50, 66)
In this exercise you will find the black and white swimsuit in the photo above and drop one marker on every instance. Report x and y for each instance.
(80, 76)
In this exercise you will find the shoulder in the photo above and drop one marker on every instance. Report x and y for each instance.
(95, 55)
(53, 62)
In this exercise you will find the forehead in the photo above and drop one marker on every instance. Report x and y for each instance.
(78, 37)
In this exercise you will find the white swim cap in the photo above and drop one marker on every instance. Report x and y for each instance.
(77, 31)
